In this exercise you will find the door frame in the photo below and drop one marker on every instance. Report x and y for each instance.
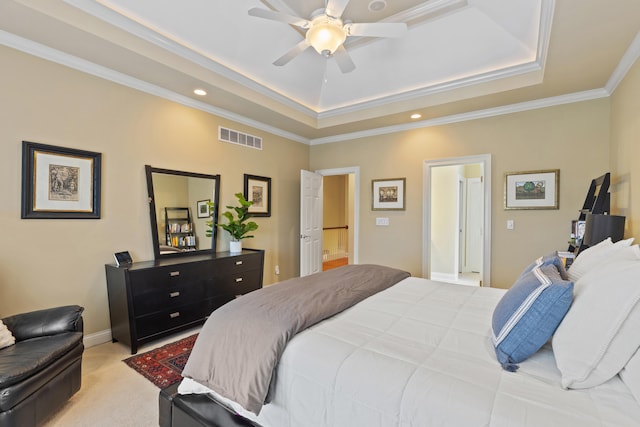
(428, 165)
(355, 170)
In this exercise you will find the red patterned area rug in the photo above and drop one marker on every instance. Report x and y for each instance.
(163, 365)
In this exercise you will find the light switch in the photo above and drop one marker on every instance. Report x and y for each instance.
(382, 221)
(509, 224)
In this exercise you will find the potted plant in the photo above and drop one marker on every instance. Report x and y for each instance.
(238, 225)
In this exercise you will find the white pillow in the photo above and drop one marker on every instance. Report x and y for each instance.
(6, 337)
(599, 334)
(590, 258)
(631, 375)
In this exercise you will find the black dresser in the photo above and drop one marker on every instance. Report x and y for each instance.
(152, 299)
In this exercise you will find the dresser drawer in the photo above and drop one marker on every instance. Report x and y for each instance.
(165, 297)
(239, 282)
(178, 316)
(144, 281)
(235, 264)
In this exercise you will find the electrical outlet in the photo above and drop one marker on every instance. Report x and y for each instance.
(510, 224)
(277, 270)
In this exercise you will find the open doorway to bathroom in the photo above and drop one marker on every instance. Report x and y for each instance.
(457, 220)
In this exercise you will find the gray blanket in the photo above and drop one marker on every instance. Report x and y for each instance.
(240, 344)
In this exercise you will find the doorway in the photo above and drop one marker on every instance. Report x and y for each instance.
(457, 220)
(348, 180)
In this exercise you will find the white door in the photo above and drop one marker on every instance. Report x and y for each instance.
(461, 225)
(475, 220)
(310, 223)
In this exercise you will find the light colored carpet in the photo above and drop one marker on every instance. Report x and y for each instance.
(112, 394)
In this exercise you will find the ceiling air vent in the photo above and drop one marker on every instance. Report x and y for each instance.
(239, 138)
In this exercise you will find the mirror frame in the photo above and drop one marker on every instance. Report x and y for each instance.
(153, 212)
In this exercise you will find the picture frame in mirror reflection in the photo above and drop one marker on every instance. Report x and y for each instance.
(202, 208)
(257, 189)
(388, 194)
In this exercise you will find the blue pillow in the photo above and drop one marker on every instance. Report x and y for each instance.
(529, 313)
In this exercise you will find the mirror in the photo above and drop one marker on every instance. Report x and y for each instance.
(179, 212)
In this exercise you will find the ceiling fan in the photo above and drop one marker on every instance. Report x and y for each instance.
(326, 32)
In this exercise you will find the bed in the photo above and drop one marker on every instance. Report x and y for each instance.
(424, 353)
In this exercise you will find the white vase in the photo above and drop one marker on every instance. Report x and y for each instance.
(235, 246)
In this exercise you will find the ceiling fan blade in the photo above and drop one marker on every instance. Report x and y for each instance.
(295, 51)
(277, 16)
(376, 29)
(343, 60)
(335, 8)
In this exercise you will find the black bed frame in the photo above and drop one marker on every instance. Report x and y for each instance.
(196, 410)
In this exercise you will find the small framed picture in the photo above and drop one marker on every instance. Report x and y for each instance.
(203, 209)
(388, 194)
(532, 190)
(257, 189)
(59, 182)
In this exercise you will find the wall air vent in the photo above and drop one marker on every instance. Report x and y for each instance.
(239, 138)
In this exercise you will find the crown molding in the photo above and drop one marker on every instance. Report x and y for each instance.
(53, 55)
(450, 86)
(628, 59)
(474, 115)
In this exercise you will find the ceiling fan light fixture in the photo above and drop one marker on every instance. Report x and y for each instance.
(326, 34)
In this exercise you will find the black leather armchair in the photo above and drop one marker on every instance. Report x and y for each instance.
(42, 370)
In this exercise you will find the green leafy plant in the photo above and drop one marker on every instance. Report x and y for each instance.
(238, 225)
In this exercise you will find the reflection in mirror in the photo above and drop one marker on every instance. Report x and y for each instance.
(179, 212)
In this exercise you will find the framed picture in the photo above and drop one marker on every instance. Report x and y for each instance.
(388, 194)
(203, 209)
(60, 182)
(532, 190)
(257, 189)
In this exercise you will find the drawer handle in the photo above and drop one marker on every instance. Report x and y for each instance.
(174, 315)
(174, 294)
(239, 279)
(238, 262)
(174, 273)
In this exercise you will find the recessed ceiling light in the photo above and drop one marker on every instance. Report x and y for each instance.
(200, 92)
(415, 116)
(377, 5)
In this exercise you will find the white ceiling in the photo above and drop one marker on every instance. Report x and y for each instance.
(458, 56)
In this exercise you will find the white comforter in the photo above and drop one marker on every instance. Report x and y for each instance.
(419, 354)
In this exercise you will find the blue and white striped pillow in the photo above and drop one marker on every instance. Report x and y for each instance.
(529, 313)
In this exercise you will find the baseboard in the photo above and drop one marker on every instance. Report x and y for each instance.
(97, 338)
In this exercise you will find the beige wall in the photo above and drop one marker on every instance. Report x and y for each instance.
(573, 138)
(334, 200)
(52, 262)
(625, 151)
